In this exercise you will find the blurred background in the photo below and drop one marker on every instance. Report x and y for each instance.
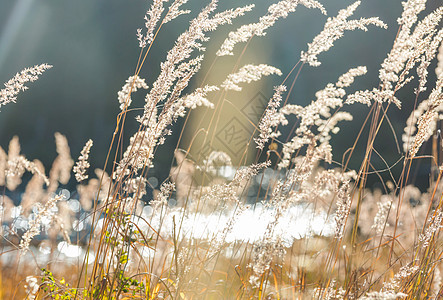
(93, 48)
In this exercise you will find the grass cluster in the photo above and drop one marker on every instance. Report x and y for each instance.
(295, 223)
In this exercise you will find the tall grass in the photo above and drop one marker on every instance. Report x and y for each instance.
(293, 224)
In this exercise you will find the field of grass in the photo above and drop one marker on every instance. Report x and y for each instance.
(276, 216)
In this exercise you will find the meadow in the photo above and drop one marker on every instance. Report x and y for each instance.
(268, 212)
